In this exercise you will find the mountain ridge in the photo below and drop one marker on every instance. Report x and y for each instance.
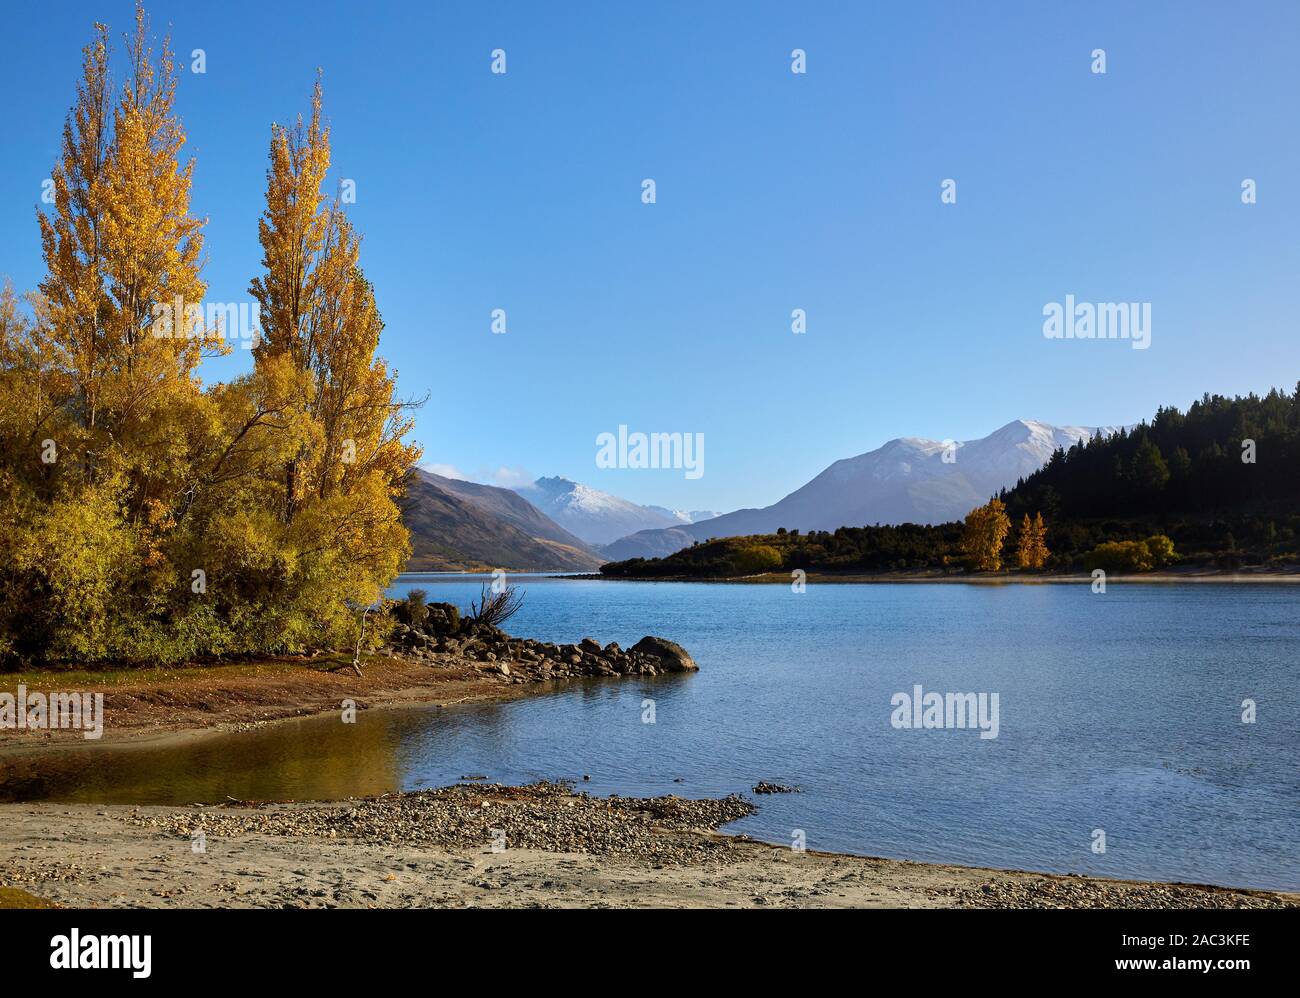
(459, 526)
(905, 480)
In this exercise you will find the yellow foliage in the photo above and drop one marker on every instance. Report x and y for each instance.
(151, 517)
(754, 559)
(1031, 546)
(982, 539)
(1161, 550)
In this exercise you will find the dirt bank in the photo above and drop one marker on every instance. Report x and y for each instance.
(152, 704)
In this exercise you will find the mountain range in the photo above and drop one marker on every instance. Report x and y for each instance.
(907, 480)
(556, 524)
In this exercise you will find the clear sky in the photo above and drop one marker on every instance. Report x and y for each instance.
(775, 191)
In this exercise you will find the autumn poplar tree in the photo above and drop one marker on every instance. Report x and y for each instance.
(1024, 543)
(343, 459)
(120, 406)
(983, 535)
(1039, 554)
(149, 517)
(1031, 545)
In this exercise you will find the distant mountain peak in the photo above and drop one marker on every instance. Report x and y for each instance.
(598, 517)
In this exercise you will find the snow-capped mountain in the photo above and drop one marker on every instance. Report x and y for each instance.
(684, 515)
(598, 517)
(905, 480)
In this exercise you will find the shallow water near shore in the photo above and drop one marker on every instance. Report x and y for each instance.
(1119, 712)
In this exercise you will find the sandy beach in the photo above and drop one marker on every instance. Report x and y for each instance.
(575, 851)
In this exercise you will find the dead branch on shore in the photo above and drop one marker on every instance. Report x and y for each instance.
(495, 608)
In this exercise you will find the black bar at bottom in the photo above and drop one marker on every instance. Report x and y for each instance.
(926, 947)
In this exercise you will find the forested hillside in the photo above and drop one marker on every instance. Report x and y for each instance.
(1222, 479)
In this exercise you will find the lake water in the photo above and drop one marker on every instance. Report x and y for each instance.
(1119, 711)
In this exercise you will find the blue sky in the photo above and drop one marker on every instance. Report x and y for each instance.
(775, 191)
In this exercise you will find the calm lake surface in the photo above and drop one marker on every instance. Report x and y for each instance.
(1120, 712)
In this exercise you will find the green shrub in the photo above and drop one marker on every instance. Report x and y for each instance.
(1161, 549)
(417, 607)
(755, 559)
(1156, 551)
(1119, 557)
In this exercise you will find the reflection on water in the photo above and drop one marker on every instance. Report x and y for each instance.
(1119, 712)
(315, 758)
(308, 758)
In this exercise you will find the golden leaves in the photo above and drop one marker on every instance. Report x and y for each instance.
(983, 535)
(1031, 546)
(279, 486)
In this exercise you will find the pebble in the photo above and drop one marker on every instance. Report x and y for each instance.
(545, 816)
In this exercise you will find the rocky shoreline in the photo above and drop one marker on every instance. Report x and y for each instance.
(444, 636)
(442, 661)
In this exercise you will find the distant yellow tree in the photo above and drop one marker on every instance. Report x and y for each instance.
(1162, 550)
(984, 534)
(1025, 544)
(1031, 545)
(1041, 554)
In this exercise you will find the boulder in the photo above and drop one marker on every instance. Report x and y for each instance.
(671, 656)
(444, 618)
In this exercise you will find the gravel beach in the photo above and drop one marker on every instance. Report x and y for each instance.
(490, 846)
